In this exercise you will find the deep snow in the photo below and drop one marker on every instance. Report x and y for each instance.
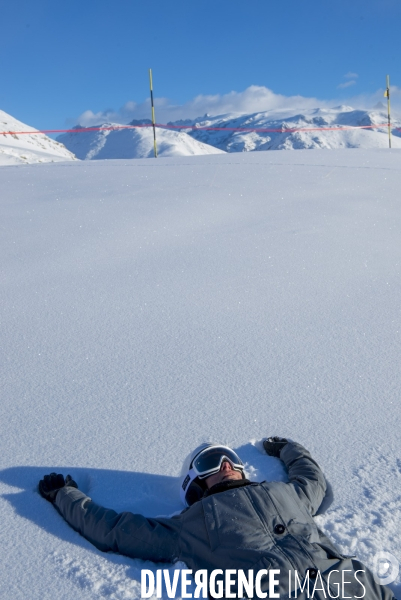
(149, 305)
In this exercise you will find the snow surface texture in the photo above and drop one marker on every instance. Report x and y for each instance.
(22, 149)
(132, 143)
(138, 143)
(150, 305)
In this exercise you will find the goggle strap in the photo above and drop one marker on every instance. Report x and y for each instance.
(191, 475)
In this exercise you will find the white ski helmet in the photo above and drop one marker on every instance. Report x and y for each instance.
(193, 484)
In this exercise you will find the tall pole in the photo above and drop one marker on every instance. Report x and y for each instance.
(153, 113)
(387, 93)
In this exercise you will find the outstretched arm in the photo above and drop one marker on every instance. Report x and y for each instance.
(304, 473)
(129, 534)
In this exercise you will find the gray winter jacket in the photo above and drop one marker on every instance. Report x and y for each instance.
(266, 525)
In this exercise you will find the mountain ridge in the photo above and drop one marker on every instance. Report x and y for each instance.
(174, 138)
(126, 143)
(27, 148)
(284, 122)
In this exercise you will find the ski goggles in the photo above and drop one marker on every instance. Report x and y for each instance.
(209, 461)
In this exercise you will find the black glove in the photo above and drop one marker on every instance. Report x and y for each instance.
(51, 484)
(274, 445)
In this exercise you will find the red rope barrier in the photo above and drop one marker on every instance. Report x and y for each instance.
(199, 128)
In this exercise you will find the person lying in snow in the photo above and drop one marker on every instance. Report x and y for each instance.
(232, 523)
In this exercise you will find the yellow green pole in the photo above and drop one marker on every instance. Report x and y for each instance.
(153, 113)
(387, 93)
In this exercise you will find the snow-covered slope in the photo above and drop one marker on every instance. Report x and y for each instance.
(342, 116)
(138, 143)
(149, 305)
(132, 143)
(27, 148)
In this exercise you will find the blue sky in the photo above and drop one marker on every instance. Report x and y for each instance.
(61, 62)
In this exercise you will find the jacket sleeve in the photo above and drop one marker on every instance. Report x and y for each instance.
(129, 534)
(305, 475)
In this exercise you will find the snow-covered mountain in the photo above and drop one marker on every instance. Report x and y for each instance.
(132, 143)
(27, 148)
(177, 140)
(338, 117)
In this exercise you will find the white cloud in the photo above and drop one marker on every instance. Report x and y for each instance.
(368, 101)
(252, 100)
(351, 75)
(346, 84)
